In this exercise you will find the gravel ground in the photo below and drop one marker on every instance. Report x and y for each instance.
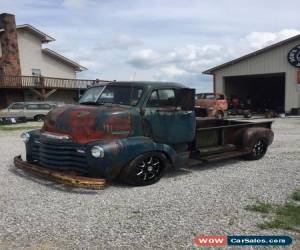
(203, 199)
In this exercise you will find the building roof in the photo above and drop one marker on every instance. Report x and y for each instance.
(44, 37)
(255, 53)
(152, 84)
(62, 58)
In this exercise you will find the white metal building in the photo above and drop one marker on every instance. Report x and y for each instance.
(270, 75)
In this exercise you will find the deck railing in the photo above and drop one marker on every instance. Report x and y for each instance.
(45, 82)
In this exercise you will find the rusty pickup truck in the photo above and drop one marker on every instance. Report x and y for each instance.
(211, 105)
(134, 130)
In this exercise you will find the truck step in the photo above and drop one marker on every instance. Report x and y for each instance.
(220, 156)
(204, 151)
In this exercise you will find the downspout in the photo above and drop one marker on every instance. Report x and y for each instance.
(214, 82)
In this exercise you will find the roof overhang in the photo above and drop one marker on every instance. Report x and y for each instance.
(237, 60)
(43, 36)
(64, 59)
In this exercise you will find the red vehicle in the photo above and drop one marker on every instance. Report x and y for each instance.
(211, 105)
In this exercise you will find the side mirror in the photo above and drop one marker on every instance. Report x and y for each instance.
(186, 98)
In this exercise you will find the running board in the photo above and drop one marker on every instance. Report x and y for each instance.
(221, 156)
(213, 150)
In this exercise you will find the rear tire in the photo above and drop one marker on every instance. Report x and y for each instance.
(145, 169)
(258, 150)
(39, 118)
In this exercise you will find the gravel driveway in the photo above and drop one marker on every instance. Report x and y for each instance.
(204, 199)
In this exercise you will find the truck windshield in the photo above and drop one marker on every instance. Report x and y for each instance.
(91, 95)
(124, 95)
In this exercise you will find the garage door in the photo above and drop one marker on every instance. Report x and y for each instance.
(265, 92)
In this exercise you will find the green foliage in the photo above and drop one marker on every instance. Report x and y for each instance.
(286, 216)
(296, 195)
(6, 128)
(260, 207)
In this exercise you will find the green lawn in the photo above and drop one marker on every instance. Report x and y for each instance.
(18, 128)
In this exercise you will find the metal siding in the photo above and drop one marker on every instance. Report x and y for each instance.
(273, 61)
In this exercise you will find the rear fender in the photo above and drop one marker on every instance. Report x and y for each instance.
(251, 135)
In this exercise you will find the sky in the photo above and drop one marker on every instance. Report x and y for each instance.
(165, 40)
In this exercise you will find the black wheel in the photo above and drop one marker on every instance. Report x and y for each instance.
(259, 149)
(144, 170)
(219, 115)
(39, 118)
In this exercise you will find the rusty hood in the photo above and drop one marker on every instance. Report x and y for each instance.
(88, 123)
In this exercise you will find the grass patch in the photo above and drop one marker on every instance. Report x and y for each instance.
(286, 216)
(260, 207)
(296, 195)
(18, 128)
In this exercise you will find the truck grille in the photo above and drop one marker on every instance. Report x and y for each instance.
(60, 155)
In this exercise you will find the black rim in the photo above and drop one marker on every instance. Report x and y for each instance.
(259, 148)
(149, 168)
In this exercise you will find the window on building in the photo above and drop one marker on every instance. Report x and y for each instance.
(36, 72)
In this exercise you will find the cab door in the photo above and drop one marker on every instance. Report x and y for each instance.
(167, 120)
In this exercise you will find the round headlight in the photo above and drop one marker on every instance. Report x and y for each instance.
(25, 137)
(97, 152)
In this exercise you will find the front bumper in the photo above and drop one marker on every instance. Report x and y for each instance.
(63, 155)
(66, 177)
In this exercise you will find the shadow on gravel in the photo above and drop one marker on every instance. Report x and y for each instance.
(62, 187)
(51, 184)
(199, 166)
(170, 173)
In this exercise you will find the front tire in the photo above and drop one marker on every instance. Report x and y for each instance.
(258, 151)
(145, 169)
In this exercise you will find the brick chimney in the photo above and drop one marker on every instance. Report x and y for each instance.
(10, 60)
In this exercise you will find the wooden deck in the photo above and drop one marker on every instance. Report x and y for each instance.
(39, 82)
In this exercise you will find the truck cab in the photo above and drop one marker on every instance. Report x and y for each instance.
(134, 130)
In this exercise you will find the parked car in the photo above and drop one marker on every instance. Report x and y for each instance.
(211, 105)
(12, 120)
(30, 110)
(132, 131)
